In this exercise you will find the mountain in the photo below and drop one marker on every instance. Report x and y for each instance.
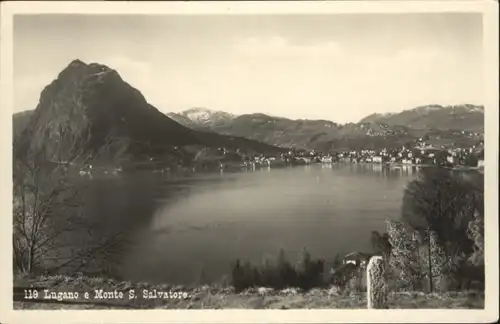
(322, 135)
(20, 121)
(441, 124)
(90, 113)
(459, 117)
(202, 117)
(277, 130)
(183, 120)
(319, 135)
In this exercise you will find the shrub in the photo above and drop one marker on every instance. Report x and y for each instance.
(307, 274)
(243, 276)
(344, 276)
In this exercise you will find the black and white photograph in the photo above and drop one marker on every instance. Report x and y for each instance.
(293, 160)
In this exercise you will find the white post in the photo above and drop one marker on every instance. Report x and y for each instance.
(376, 287)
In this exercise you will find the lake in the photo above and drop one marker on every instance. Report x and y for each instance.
(190, 229)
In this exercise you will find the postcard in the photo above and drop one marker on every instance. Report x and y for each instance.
(269, 162)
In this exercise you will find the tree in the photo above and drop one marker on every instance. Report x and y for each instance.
(441, 202)
(404, 256)
(381, 245)
(438, 263)
(47, 217)
(435, 266)
(471, 160)
(476, 234)
(37, 198)
(310, 272)
(440, 205)
(417, 258)
(237, 276)
(286, 272)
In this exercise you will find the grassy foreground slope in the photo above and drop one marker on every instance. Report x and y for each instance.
(218, 297)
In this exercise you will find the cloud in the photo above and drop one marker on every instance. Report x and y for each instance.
(412, 55)
(277, 46)
(27, 90)
(133, 71)
(141, 75)
(298, 80)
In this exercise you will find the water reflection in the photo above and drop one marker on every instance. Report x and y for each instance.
(210, 220)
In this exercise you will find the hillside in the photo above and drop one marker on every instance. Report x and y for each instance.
(321, 135)
(440, 124)
(183, 120)
(460, 117)
(89, 113)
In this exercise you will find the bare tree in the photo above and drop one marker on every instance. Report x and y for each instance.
(50, 231)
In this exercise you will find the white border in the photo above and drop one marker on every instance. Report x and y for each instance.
(489, 9)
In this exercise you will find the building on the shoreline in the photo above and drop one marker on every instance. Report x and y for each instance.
(326, 159)
(357, 258)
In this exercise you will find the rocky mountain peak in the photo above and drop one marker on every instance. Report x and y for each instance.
(204, 116)
(87, 107)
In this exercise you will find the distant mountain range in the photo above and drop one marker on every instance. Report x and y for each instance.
(202, 118)
(460, 117)
(443, 124)
(89, 113)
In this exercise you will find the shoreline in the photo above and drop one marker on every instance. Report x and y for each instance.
(235, 167)
(186, 172)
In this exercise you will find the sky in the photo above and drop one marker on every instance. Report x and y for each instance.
(339, 67)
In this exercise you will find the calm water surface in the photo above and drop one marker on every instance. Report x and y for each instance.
(190, 230)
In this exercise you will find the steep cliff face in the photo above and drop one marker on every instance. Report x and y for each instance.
(19, 122)
(89, 112)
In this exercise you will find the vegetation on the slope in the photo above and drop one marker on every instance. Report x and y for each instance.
(462, 125)
(458, 117)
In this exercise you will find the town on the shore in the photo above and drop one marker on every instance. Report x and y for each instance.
(421, 154)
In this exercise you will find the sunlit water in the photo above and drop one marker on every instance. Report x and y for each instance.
(190, 230)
